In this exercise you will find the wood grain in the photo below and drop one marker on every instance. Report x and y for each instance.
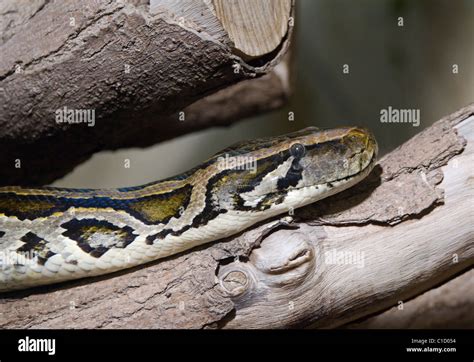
(255, 27)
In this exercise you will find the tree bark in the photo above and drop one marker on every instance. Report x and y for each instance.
(405, 229)
(149, 73)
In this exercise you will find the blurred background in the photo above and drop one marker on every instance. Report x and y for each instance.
(409, 67)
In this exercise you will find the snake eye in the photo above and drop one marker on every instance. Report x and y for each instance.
(297, 150)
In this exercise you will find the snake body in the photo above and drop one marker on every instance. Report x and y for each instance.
(49, 235)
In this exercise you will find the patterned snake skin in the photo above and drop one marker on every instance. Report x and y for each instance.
(49, 235)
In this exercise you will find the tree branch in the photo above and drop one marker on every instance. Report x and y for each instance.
(137, 67)
(448, 306)
(408, 227)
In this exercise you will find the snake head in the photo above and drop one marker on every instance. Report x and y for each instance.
(331, 157)
(295, 169)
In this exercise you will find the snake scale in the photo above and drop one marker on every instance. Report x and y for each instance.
(49, 235)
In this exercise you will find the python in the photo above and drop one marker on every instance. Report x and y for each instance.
(75, 233)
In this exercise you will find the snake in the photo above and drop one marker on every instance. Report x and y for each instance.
(50, 235)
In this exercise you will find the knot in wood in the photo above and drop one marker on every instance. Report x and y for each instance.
(235, 282)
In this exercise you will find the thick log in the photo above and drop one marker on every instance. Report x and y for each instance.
(405, 229)
(141, 68)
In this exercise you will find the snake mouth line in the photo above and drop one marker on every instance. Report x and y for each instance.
(364, 172)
